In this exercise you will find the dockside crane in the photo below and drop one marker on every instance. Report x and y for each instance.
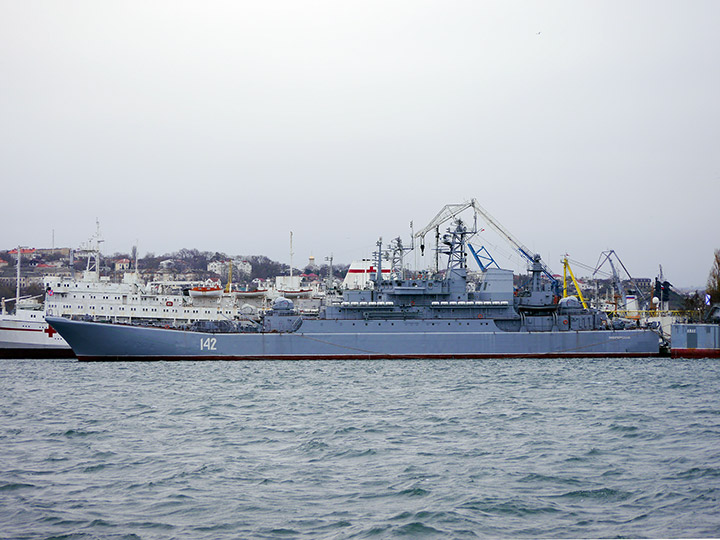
(450, 211)
(608, 256)
(567, 270)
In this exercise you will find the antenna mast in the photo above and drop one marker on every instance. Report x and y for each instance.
(291, 257)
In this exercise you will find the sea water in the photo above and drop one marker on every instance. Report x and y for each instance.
(360, 449)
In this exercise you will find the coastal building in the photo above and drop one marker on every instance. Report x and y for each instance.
(217, 267)
(47, 252)
(244, 267)
(121, 264)
(221, 268)
(11, 281)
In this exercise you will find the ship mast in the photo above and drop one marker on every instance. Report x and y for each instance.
(291, 257)
(329, 283)
(378, 269)
(92, 251)
(455, 241)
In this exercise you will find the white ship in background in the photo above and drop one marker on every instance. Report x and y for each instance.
(361, 273)
(25, 334)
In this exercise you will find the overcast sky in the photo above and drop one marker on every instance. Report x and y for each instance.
(223, 126)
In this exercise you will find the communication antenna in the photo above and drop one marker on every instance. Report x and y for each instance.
(329, 283)
(291, 256)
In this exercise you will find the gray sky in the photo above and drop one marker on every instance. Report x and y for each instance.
(581, 126)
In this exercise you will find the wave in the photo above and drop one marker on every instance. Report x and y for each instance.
(602, 494)
(512, 507)
(14, 486)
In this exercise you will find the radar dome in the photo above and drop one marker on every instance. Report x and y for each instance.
(570, 302)
(283, 304)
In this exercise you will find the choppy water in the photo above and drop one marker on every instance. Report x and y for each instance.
(360, 449)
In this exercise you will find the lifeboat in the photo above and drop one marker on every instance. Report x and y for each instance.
(295, 293)
(250, 294)
(209, 290)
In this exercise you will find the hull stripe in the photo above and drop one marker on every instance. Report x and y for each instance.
(695, 353)
(21, 329)
(478, 356)
(38, 352)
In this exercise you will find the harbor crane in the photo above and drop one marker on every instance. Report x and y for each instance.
(567, 270)
(450, 211)
(608, 256)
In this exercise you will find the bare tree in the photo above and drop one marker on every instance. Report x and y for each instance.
(713, 283)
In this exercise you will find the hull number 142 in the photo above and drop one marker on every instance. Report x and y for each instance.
(208, 344)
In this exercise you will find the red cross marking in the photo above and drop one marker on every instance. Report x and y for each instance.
(50, 331)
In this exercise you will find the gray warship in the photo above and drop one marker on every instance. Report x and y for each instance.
(421, 315)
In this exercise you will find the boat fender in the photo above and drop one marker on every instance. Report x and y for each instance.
(168, 303)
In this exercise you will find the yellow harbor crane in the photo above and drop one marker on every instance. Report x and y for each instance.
(566, 270)
(228, 287)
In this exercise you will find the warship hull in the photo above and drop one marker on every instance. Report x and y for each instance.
(349, 340)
